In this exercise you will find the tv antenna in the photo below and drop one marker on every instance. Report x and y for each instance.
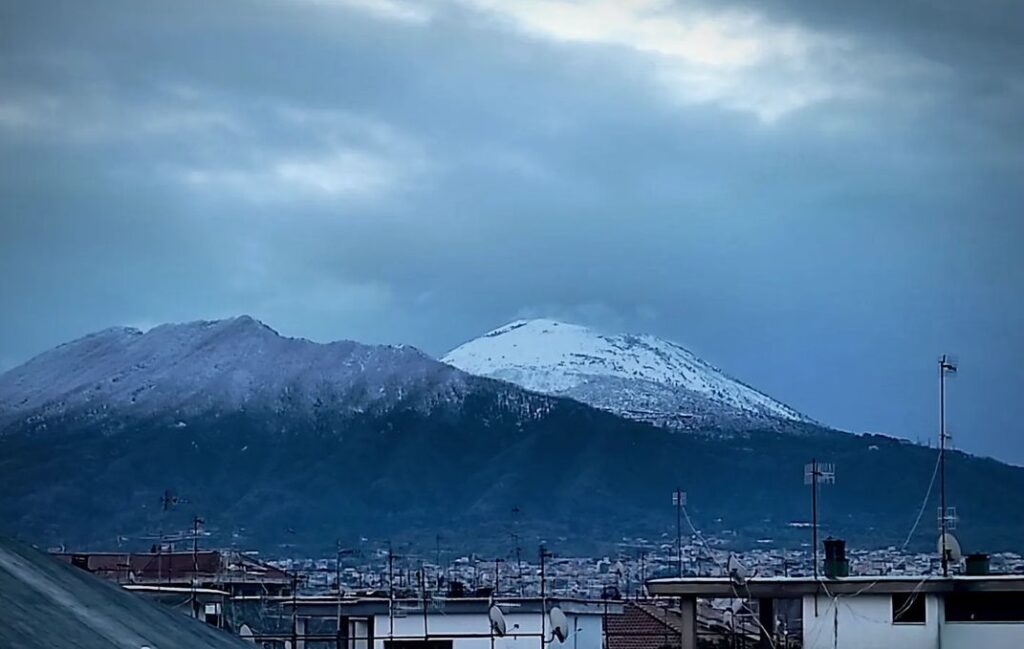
(947, 367)
(815, 473)
(679, 501)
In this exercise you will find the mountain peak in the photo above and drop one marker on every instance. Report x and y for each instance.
(636, 375)
(217, 365)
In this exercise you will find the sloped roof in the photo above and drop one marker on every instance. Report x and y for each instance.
(46, 604)
(642, 626)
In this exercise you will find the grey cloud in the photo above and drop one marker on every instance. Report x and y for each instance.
(826, 258)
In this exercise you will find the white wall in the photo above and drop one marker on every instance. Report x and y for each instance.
(982, 635)
(865, 622)
(587, 635)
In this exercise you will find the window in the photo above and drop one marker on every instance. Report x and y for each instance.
(984, 607)
(908, 608)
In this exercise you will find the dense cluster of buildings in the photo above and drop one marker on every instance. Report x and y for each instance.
(664, 600)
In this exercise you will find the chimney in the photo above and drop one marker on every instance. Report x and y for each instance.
(976, 564)
(836, 564)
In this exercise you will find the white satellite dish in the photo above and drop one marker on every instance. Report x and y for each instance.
(245, 633)
(559, 625)
(737, 571)
(498, 626)
(952, 547)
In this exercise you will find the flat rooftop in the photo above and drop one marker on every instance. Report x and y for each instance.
(780, 587)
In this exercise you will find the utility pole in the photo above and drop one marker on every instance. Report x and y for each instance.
(196, 522)
(679, 500)
(946, 366)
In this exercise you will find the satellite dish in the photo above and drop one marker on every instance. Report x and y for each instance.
(559, 625)
(498, 626)
(952, 547)
(245, 633)
(619, 569)
(737, 571)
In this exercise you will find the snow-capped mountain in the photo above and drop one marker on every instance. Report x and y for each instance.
(221, 365)
(639, 376)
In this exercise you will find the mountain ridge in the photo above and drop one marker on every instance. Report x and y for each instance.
(388, 443)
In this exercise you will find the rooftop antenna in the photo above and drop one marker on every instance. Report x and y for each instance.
(498, 625)
(559, 625)
(950, 547)
(738, 572)
(544, 554)
(518, 548)
(391, 592)
(679, 501)
(813, 474)
(947, 366)
(196, 523)
(167, 501)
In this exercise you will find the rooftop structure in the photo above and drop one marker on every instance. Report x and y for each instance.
(45, 604)
(961, 611)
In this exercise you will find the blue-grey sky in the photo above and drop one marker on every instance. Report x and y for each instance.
(819, 197)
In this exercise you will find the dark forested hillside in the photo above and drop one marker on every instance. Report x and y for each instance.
(580, 478)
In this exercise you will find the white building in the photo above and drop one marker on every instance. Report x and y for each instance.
(959, 612)
(462, 623)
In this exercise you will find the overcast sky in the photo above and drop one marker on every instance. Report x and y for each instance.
(819, 197)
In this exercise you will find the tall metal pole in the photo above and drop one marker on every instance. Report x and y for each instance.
(944, 366)
(497, 576)
(543, 597)
(195, 564)
(391, 593)
(679, 531)
(814, 514)
(519, 565)
(295, 607)
(337, 578)
(423, 591)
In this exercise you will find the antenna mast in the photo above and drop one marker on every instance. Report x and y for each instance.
(679, 500)
(391, 592)
(196, 522)
(544, 554)
(946, 366)
(813, 473)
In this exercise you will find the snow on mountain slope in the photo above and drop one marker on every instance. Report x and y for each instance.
(639, 376)
(221, 365)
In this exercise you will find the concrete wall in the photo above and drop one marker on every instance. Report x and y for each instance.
(865, 622)
(982, 635)
(587, 635)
